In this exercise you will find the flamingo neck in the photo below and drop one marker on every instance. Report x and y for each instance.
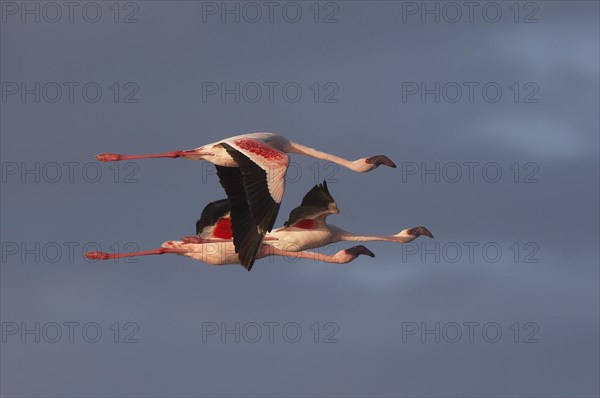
(268, 250)
(349, 236)
(304, 150)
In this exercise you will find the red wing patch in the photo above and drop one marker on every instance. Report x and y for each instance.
(222, 229)
(305, 224)
(260, 149)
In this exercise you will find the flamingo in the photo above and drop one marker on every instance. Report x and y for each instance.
(306, 227)
(223, 252)
(251, 168)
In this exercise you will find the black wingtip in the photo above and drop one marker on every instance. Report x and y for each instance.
(318, 199)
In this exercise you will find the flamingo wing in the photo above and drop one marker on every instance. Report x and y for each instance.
(255, 154)
(255, 189)
(263, 180)
(215, 221)
(318, 202)
(246, 237)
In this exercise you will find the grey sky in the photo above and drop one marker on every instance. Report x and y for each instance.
(363, 64)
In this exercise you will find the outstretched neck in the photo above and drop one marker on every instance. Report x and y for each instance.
(304, 150)
(349, 236)
(268, 250)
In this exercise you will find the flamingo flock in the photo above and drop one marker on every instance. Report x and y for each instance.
(239, 230)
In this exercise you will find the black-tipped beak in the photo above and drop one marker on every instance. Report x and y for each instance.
(379, 160)
(358, 250)
(418, 231)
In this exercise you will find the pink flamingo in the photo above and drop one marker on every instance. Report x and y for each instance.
(306, 227)
(251, 169)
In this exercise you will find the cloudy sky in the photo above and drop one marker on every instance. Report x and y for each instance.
(490, 112)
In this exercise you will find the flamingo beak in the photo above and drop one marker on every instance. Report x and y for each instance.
(358, 250)
(379, 160)
(418, 231)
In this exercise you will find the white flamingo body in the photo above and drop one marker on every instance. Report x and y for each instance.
(295, 239)
(215, 153)
(213, 253)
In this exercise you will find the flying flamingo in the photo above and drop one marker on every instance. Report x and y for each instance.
(306, 227)
(251, 169)
(223, 252)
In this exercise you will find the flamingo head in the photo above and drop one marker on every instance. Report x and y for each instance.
(347, 255)
(414, 233)
(373, 162)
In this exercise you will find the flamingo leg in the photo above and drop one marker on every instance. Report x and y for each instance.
(110, 256)
(114, 157)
